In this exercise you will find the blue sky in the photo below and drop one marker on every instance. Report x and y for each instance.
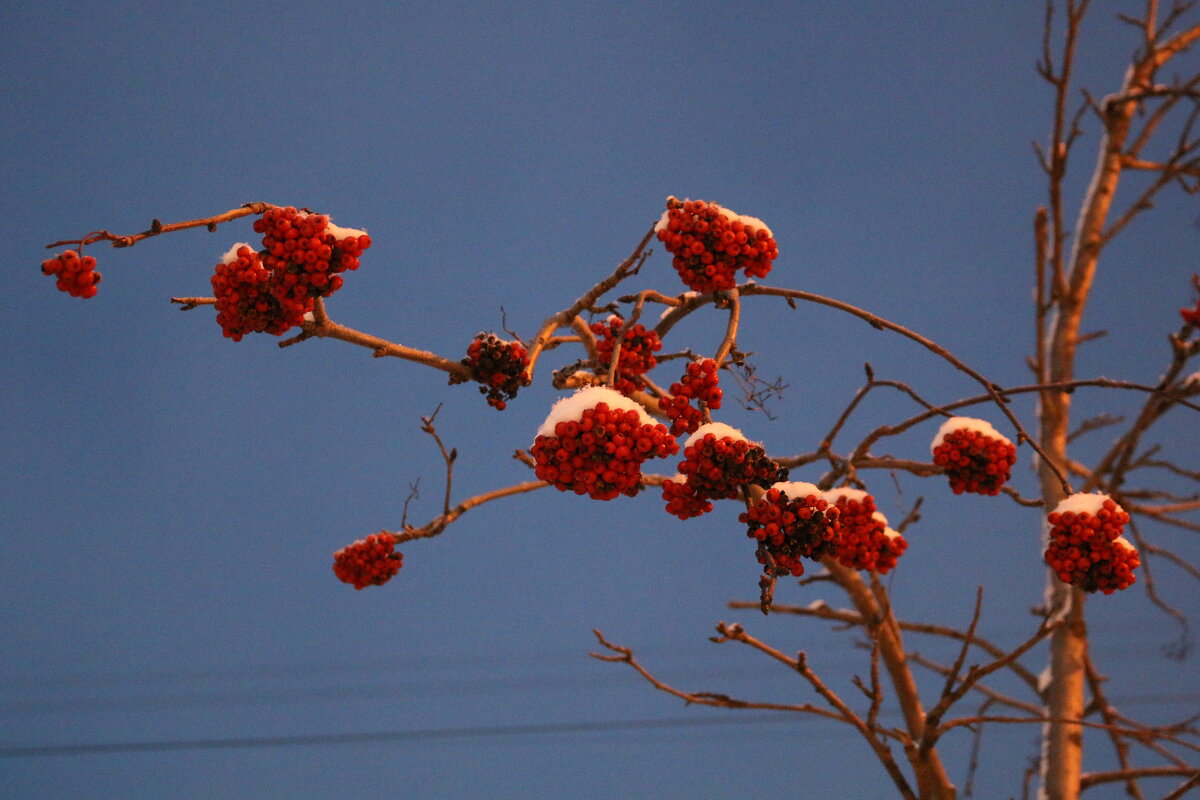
(170, 500)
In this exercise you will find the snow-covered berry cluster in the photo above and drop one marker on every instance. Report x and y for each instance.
(245, 304)
(368, 562)
(791, 521)
(1192, 315)
(499, 366)
(976, 457)
(709, 244)
(636, 358)
(1086, 548)
(594, 443)
(76, 274)
(305, 252)
(718, 461)
(866, 541)
(699, 382)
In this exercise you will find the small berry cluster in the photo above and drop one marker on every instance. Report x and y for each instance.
(636, 358)
(866, 541)
(682, 502)
(76, 274)
(977, 458)
(245, 304)
(499, 367)
(1190, 315)
(699, 382)
(710, 244)
(791, 521)
(1086, 548)
(305, 253)
(718, 461)
(600, 454)
(368, 562)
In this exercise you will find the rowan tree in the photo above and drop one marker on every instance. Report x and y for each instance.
(641, 422)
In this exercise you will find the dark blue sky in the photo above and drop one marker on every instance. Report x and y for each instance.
(170, 500)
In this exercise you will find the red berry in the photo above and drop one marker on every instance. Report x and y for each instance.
(368, 562)
(1085, 546)
(594, 443)
(636, 358)
(75, 275)
(866, 541)
(710, 243)
(791, 521)
(718, 462)
(975, 457)
(498, 366)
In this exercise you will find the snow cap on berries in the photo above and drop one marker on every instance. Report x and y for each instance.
(570, 409)
(965, 423)
(1083, 503)
(728, 214)
(798, 490)
(833, 495)
(231, 255)
(719, 430)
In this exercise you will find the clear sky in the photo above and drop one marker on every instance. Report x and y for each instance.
(170, 500)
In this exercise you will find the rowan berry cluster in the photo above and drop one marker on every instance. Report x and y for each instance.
(866, 541)
(699, 382)
(1086, 548)
(599, 450)
(499, 367)
(368, 562)
(709, 244)
(791, 521)
(718, 461)
(305, 253)
(976, 458)
(242, 288)
(681, 501)
(1192, 315)
(636, 358)
(76, 274)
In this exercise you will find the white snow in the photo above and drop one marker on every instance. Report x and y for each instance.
(1082, 503)
(341, 233)
(231, 254)
(833, 495)
(570, 409)
(725, 212)
(797, 490)
(1123, 542)
(719, 430)
(970, 423)
(888, 532)
(685, 296)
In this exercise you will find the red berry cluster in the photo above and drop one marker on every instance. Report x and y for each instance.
(1190, 315)
(368, 562)
(699, 382)
(716, 464)
(976, 458)
(682, 502)
(1086, 548)
(76, 274)
(638, 347)
(305, 253)
(866, 542)
(601, 453)
(499, 366)
(245, 304)
(790, 522)
(710, 244)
